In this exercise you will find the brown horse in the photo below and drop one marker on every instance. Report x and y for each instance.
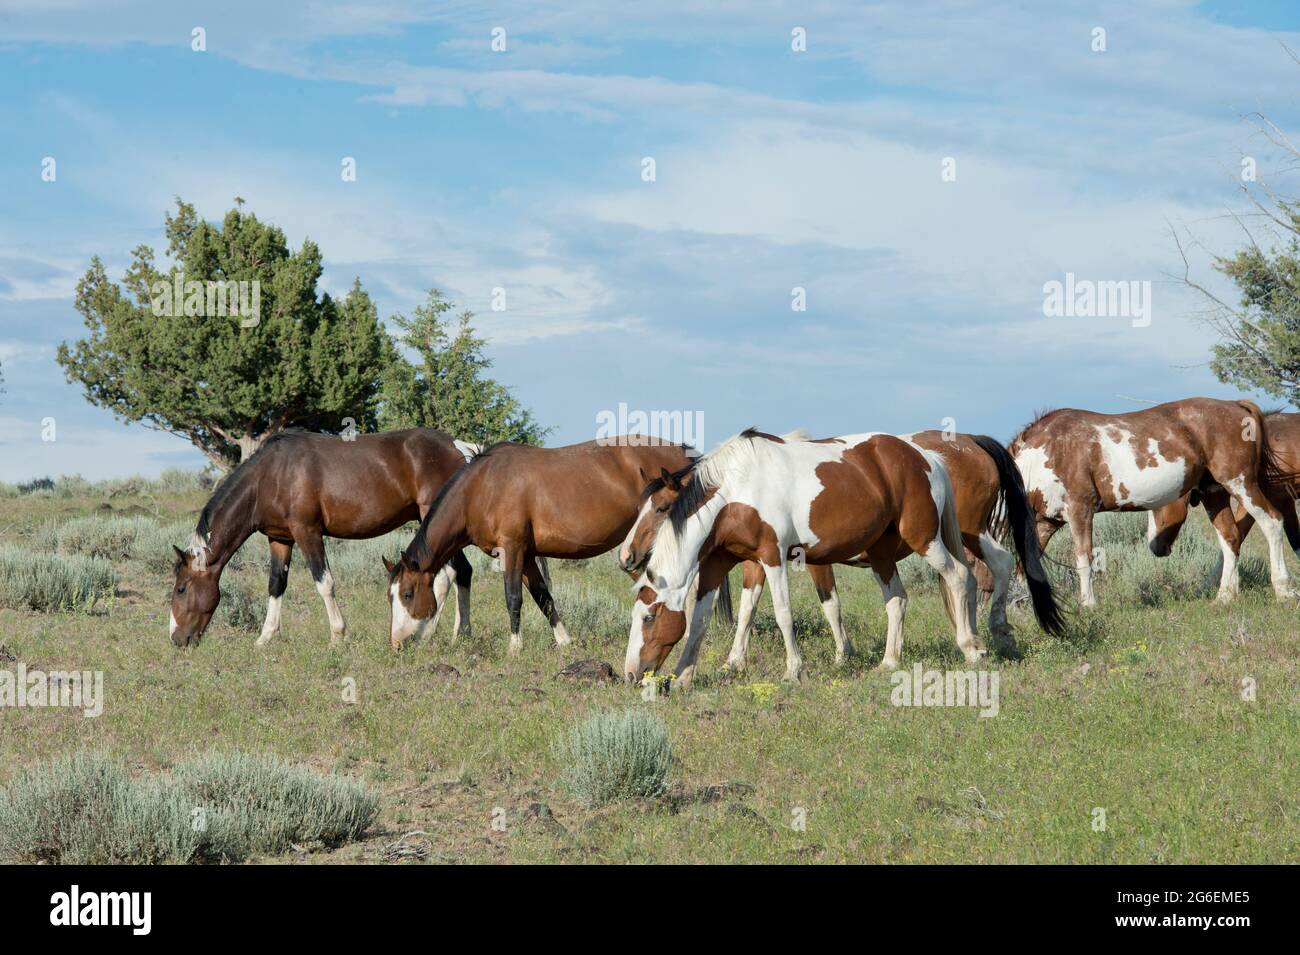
(299, 488)
(982, 475)
(772, 499)
(519, 503)
(1076, 463)
(1233, 524)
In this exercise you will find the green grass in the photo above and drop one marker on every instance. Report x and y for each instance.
(1138, 711)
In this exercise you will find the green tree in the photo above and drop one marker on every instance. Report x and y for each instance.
(446, 388)
(1259, 327)
(227, 383)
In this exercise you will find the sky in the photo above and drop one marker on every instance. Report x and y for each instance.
(921, 170)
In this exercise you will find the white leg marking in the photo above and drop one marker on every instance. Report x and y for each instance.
(697, 626)
(780, 584)
(895, 610)
(744, 626)
(325, 587)
(271, 625)
(831, 608)
(441, 587)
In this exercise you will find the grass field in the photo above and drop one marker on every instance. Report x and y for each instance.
(1139, 711)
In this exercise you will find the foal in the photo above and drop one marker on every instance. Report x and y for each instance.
(1076, 463)
(299, 488)
(989, 495)
(869, 498)
(518, 503)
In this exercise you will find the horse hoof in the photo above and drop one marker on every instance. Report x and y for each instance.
(263, 640)
(885, 666)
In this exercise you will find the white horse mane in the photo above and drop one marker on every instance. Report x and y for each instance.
(738, 452)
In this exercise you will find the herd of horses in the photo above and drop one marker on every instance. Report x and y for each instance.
(967, 505)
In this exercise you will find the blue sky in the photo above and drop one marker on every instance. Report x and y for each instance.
(775, 169)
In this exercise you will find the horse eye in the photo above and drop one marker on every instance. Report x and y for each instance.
(409, 595)
(649, 618)
(662, 510)
(180, 588)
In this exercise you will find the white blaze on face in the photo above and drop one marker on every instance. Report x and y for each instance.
(1032, 463)
(625, 548)
(1140, 487)
(171, 629)
(404, 625)
(632, 659)
(1151, 526)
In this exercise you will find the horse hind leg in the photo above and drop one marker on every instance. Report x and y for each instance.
(823, 578)
(1001, 564)
(535, 578)
(1218, 507)
(1080, 520)
(1266, 515)
(313, 548)
(278, 579)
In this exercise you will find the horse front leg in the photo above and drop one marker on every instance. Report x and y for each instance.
(464, 572)
(751, 588)
(278, 579)
(512, 570)
(778, 579)
(711, 577)
(1080, 519)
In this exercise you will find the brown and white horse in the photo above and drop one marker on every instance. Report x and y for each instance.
(1233, 524)
(870, 498)
(1076, 463)
(299, 488)
(519, 503)
(983, 478)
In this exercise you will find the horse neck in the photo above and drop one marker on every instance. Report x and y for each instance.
(445, 530)
(675, 557)
(228, 527)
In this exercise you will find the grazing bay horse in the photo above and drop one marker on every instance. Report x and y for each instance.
(989, 496)
(1076, 463)
(1233, 524)
(299, 488)
(518, 503)
(864, 498)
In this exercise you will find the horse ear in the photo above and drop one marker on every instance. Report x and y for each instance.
(670, 482)
(645, 478)
(389, 566)
(181, 555)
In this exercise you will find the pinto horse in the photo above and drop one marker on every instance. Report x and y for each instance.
(983, 476)
(1076, 463)
(299, 488)
(860, 499)
(1233, 524)
(518, 503)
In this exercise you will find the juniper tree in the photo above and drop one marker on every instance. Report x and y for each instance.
(227, 382)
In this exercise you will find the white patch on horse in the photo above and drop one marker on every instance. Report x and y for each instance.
(467, 448)
(171, 628)
(404, 625)
(1151, 526)
(1032, 464)
(625, 548)
(1139, 488)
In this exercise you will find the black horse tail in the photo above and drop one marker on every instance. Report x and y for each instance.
(1020, 518)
